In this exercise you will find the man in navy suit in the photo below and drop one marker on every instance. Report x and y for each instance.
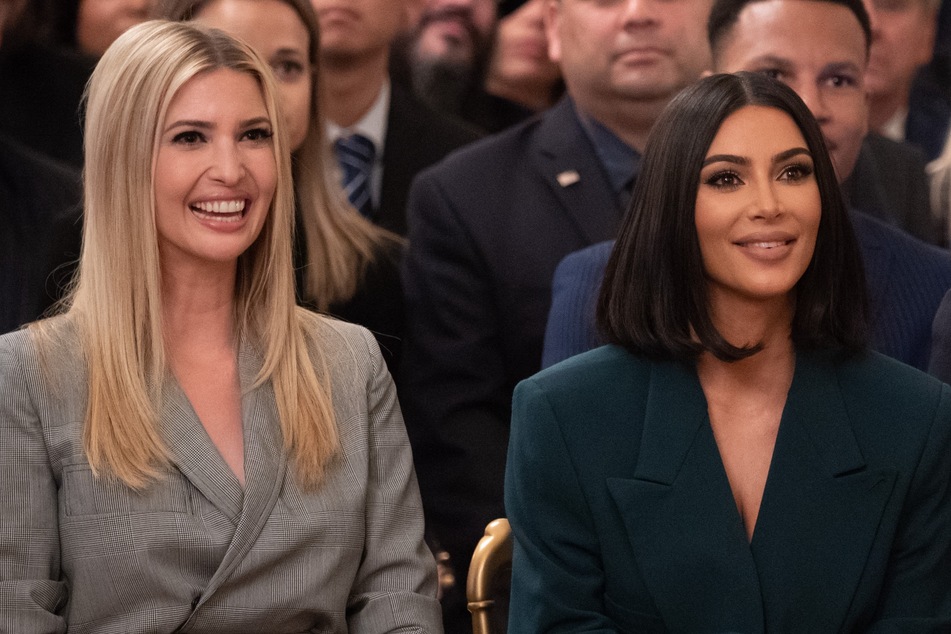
(488, 225)
(819, 48)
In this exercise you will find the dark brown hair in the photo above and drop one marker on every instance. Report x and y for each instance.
(654, 297)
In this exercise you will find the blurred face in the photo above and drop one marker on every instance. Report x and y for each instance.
(454, 30)
(215, 172)
(100, 22)
(818, 50)
(521, 50)
(358, 28)
(277, 33)
(9, 11)
(758, 208)
(903, 33)
(629, 49)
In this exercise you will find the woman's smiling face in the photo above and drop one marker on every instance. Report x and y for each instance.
(215, 171)
(758, 207)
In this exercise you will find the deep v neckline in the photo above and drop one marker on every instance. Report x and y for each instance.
(742, 493)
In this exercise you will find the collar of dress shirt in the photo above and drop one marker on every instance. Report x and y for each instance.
(621, 162)
(894, 128)
(372, 125)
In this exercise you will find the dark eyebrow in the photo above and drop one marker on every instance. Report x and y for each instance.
(788, 154)
(287, 50)
(840, 67)
(727, 158)
(771, 61)
(742, 160)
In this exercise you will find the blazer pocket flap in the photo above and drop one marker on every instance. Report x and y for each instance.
(86, 494)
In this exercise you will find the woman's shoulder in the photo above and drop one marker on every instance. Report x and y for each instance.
(340, 343)
(43, 366)
(600, 379)
(57, 336)
(605, 365)
(892, 407)
(872, 375)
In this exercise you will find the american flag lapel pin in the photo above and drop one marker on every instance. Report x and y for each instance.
(568, 177)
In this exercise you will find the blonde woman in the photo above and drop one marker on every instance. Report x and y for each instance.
(346, 265)
(184, 448)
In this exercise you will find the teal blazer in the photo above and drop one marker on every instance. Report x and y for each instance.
(624, 520)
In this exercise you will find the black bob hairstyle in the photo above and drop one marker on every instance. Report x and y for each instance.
(654, 296)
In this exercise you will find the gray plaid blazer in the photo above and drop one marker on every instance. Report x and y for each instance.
(195, 552)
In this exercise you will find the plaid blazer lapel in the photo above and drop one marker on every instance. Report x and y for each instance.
(195, 454)
(265, 465)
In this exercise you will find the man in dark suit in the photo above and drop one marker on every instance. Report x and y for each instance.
(819, 49)
(42, 85)
(488, 225)
(889, 182)
(903, 42)
(39, 223)
(39, 233)
(383, 136)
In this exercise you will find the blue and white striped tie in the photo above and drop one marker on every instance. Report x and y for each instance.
(355, 153)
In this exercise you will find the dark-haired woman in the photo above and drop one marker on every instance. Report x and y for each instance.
(736, 460)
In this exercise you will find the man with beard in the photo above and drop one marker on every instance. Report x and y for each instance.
(444, 58)
(488, 225)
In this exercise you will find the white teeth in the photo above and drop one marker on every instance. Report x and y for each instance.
(221, 206)
(765, 245)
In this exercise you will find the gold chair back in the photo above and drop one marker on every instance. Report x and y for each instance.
(492, 556)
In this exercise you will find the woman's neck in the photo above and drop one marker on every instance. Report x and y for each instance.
(748, 323)
(198, 310)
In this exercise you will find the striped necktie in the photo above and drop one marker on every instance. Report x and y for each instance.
(355, 154)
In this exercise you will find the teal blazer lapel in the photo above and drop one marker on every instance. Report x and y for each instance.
(680, 515)
(821, 508)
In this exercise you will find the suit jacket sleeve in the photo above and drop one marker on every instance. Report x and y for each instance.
(454, 376)
(31, 590)
(395, 586)
(940, 364)
(571, 325)
(557, 574)
(916, 596)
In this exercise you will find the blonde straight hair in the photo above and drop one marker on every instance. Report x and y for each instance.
(117, 298)
(340, 243)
